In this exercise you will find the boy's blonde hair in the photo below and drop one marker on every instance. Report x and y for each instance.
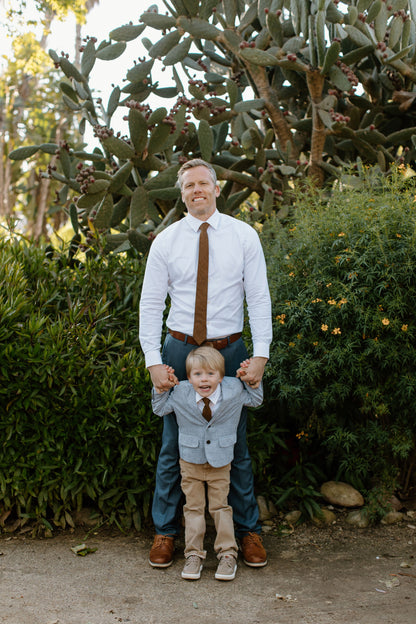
(205, 357)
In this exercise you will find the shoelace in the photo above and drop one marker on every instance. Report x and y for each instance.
(228, 562)
(191, 560)
(161, 541)
(253, 538)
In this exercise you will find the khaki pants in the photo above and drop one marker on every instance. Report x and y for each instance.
(194, 477)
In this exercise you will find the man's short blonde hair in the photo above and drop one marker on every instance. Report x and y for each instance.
(195, 162)
(206, 358)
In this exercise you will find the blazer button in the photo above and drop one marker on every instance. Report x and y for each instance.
(208, 441)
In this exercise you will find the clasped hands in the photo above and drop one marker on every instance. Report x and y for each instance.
(251, 370)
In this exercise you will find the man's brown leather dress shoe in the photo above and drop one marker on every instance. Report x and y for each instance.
(254, 554)
(161, 553)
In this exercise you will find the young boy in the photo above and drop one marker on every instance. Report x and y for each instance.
(207, 409)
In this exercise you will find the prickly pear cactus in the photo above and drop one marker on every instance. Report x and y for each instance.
(267, 91)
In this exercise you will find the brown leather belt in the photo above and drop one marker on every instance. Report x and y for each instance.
(217, 343)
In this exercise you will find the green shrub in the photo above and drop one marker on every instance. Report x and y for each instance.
(342, 373)
(76, 424)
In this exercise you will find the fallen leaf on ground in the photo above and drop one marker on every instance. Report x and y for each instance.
(394, 582)
(82, 549)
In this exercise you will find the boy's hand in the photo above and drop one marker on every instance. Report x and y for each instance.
(243, 366)
(171, 375)
(253, 373)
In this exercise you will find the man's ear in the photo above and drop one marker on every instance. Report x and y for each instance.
(217, 190)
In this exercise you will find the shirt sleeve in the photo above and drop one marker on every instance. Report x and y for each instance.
(153, 302)
(257, 295)
(253, 397)
(161, 403)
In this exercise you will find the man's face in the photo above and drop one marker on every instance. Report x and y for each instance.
(199, 193)
(204, 380)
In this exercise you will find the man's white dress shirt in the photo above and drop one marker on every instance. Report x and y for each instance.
(237, 269)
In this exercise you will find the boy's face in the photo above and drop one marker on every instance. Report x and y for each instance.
(204, 380)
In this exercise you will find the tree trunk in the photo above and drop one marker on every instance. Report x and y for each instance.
(315, 82)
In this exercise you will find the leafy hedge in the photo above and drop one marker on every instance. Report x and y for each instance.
(342, 374)
(76, 425)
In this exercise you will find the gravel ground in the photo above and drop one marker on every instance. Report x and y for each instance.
(315, 575)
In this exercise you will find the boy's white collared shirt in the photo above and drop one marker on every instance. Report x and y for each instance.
(214, 399)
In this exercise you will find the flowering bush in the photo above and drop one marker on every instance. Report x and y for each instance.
(343, 364)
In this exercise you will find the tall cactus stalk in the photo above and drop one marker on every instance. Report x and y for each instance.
(266, 90)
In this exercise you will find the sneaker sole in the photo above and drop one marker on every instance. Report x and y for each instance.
(160, 565)
(192, 577)
(226, 577)
(261, 564)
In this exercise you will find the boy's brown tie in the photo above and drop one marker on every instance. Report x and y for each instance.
(200, 318)
(206, 412)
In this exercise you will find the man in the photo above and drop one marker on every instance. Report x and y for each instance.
(237, 270)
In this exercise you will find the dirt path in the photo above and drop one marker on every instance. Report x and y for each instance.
(315, 576)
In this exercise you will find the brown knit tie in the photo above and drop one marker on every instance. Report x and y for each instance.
(206, 412)
(200, 317)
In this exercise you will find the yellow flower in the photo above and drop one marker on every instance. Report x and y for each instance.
(342, 301)
(385, 321)
(291, 274)
(341, 234)
(332, 302)
(291, 344)
(398, 235)
(328, 285)
(281, 318)
(316, 300)
(315, 344)
(324, 327)
(336, 331)
(404, 328)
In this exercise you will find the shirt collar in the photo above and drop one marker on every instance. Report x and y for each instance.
(214, 397)
(195, 223)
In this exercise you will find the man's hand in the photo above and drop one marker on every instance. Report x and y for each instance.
(252, 371)
(163, 377)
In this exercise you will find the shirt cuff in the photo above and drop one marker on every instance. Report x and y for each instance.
(152, 358)
(261, 349)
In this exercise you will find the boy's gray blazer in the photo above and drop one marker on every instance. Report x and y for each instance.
(201, 441)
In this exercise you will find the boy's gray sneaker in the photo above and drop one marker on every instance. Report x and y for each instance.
(226, 568)
(192, 568)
